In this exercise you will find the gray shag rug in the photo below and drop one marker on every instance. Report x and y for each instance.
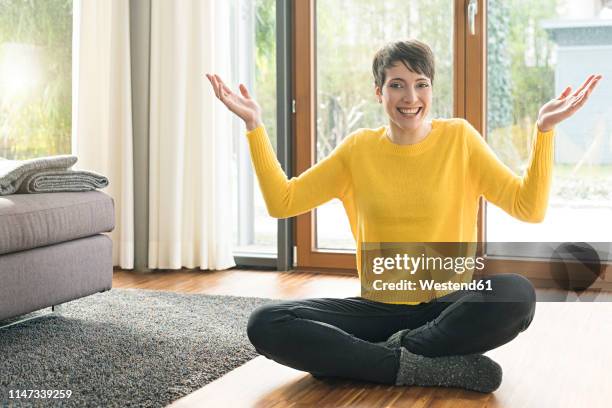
(127, 347)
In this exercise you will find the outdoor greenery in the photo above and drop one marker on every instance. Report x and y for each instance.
(521, 77)
(520, 74)
(35, 118)
(587, 184)
(499, 79)
(265, 63)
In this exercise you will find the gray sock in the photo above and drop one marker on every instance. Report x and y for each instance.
(472, 372)
(395, 340)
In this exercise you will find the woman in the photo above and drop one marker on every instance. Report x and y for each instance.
(414, 180)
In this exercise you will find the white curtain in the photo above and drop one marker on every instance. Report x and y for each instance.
(102, 109)
(190, 217)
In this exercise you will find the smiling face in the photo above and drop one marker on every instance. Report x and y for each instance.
(406, 97)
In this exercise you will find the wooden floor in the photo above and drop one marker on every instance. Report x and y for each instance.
(562, 360)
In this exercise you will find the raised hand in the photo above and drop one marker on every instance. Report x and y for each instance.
(561, 108)
(245, 107)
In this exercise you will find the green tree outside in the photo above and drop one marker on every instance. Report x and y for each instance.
(37, 122)
(520, 75)
(265, 63)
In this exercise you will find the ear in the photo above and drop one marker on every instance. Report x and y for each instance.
(378, 93)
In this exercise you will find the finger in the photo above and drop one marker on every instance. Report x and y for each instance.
(577, 102)
(222, 84)
(212, 83)
(227, 89)
(587, 91)
(594, 82)
(218, 78)
(580, 99)
(215, 85)
(584, 95)
(584, 85)
(244, 91)
(224, 91)
(592, 85)
(218, 88)
(565, 92)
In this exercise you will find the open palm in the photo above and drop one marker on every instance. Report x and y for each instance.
(561, 108)
(241, 104)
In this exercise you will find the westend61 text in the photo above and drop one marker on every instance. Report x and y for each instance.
(433, 285)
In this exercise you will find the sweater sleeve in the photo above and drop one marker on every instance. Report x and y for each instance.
(525, 198)
(284, 198)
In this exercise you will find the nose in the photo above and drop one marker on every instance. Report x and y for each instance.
(409, 95)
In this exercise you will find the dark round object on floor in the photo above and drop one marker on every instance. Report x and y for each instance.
(575, 266)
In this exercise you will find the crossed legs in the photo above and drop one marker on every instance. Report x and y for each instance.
(337, 337)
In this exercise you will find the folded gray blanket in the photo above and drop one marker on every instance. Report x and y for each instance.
(62, 180)
(20, 176)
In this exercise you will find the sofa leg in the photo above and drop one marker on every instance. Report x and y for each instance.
(12, 322)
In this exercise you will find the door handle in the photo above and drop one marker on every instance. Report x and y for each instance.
(472, 10)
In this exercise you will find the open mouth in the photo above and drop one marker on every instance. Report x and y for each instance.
(410, 111)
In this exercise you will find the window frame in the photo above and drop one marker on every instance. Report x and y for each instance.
(283, 259)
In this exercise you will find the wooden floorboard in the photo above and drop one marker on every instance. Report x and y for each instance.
(266, 284)
(562, 360)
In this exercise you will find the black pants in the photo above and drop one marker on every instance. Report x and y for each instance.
(335, 337)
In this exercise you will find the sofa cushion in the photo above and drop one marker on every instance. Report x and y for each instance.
(54, 274)
(33, 220)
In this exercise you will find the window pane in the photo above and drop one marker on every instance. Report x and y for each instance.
(35, 78)
(255, 65)
(535, 49)
(349, 32)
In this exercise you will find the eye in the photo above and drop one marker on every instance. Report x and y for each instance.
(423, 85)
(395, 85)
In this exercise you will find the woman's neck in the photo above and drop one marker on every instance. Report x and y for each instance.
(407, 137)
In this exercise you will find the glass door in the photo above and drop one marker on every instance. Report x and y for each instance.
(335, 42)
(348, 34)
(254, 63)
(534, 50)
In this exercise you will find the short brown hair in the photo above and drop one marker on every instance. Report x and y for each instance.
(414, 54)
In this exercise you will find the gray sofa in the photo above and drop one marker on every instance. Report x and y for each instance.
(52, 249)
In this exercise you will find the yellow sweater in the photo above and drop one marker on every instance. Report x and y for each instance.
(425, 192)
